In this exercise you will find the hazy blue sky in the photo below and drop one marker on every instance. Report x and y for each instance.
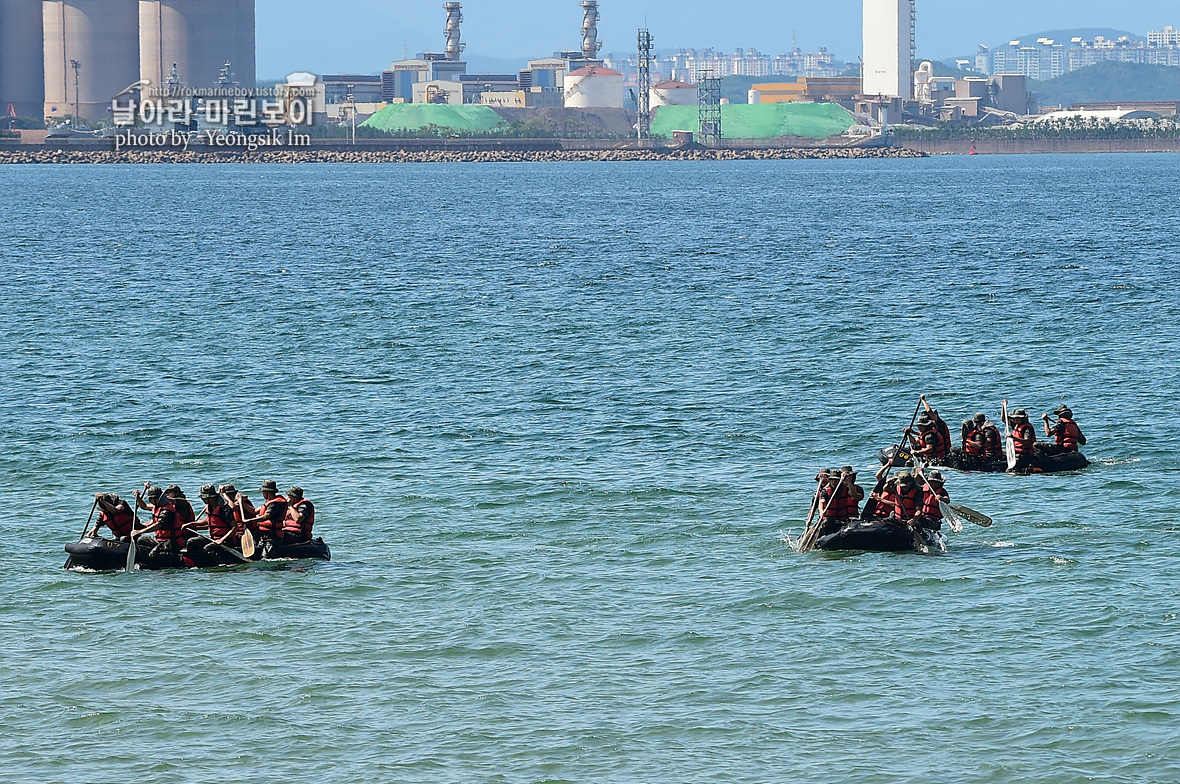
(363, 36)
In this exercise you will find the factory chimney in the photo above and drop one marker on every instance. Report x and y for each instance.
(590, 45)
(455, 45)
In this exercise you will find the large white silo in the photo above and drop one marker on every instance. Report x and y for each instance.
(22, 62)
(673, 93)
(594, 87)
(91, 55)
(199, 37)
(888, 48)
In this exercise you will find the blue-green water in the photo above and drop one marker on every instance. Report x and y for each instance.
(556, 419)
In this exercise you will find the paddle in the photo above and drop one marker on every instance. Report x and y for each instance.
(971, 516)
(88, 519)
(134, 525)
(872, 504)
(1009, 444)
(222, 545)
(247, 537)
(811, 532)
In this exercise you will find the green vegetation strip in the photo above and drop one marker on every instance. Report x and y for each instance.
(421, 116)
(761, 121)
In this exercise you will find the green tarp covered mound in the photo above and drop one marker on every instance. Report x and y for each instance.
(417, 116)
(761, 120)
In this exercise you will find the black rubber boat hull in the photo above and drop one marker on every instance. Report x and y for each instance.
(106, 555)
(961, 461)
(881, 537)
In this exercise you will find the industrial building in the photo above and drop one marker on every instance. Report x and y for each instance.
(66, 58)
(806, 89)
(889, 45)
(22, 64)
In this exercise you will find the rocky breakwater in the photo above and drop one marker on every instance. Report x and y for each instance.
(43, 155)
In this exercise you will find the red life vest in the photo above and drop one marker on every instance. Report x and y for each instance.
(120, 522)
(291, 524)
(905, 505)
(1024, 430)
(993, 445)
(221, 521)
(851, 505)
(975, 442)
(888, 503)
(171, 532)
(184, 511)
(273, 512)
(1068, 434)
(930, 508)
(944, 434)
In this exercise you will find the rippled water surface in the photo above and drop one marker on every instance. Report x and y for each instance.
(557, 420)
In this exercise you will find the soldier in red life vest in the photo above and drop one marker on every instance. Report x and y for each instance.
(944, 432)
(907, 498)
(884, 497)
(1024, 438)
(115, 514)
(220, 521)
(232, 497)
(170, 535)
(1066, 432)
(184, 510)
(928, 442)
(930, 514)
(269, 518)
(853, 494)
(300, 520)
(973, 440)
(831, 502)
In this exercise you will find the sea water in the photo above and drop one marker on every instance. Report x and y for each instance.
(557, 421)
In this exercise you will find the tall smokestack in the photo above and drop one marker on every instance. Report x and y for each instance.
(455, 45)
(590, 45)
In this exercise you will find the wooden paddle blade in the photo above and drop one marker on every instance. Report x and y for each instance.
(247, 544)
(131, 556)
(971, 516)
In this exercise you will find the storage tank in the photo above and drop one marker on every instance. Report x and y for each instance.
(102, 37)
(673, 93)
(199, 37)
(22, 64)
(594, 88)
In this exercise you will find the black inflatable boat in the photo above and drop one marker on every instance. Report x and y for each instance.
(106, 555)
(882, 536)
(961, 461)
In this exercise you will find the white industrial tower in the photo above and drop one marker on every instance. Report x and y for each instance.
(888, 68)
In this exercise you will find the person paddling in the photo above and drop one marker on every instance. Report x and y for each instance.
(1024, 438)
(930, 514)
(940, 427)
(269, 517)
(170, 535)
(222, 526)
(929, 443)
(115, 514)
(993, 443)
(300, 518)
(184, 510)
(1065, 431)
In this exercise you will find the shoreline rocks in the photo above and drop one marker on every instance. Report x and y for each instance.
(60, 156)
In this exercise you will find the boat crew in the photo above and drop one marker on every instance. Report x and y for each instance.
(115, 514)
(269, 517)
(1066, 432)
(220, 521)
(930, 513)
(300, 519)
(1024, 438)
(170, 534)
